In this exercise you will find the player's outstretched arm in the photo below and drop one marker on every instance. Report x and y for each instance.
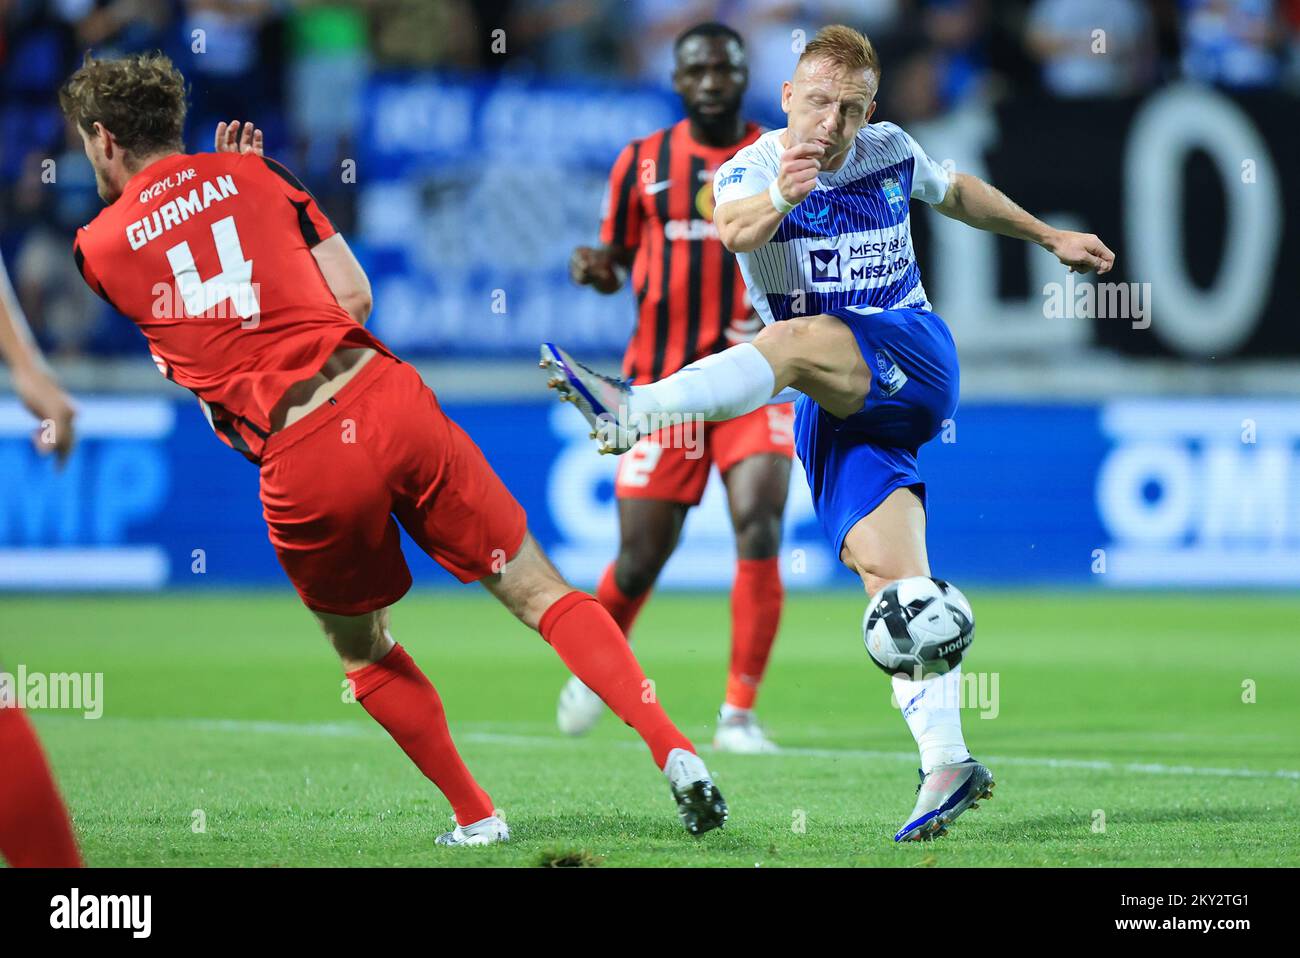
(746, 224)
(35, 384)
(976, 203)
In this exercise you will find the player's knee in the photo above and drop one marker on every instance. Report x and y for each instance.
(358, 639)
(641, 557)
(758, 533)
(782, 346)
(637, 567)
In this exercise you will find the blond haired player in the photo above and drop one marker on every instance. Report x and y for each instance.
(818, 216)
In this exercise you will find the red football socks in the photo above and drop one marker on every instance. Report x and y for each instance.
(622, 610)
(400, 698)
(589, 641)
(756, 599)
(34, 827)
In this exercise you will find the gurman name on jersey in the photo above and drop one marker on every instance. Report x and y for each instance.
(176, 211)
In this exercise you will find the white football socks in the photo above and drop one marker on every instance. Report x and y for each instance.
(729, 711)
(932, 710)
(720, 386)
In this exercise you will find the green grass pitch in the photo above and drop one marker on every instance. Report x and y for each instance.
(1121, 736)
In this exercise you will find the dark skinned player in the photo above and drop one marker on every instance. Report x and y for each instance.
(658, 225)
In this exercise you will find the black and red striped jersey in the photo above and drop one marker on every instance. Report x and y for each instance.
(691, 299)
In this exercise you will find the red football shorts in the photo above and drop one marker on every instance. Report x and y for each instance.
(673, 464)
(336, 483)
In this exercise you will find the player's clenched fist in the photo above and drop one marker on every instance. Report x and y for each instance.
(589, 266)
(799, 168)
(1082, 252)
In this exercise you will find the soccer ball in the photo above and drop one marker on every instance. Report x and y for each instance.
(918, 626)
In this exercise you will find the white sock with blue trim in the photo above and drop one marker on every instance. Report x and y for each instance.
(721, 386)
(932, 709)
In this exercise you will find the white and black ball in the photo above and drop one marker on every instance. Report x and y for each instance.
(918, 626)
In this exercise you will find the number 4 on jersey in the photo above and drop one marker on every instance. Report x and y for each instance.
(234, 282)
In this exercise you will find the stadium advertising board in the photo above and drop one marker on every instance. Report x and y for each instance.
(468, 222)
(1159, 493)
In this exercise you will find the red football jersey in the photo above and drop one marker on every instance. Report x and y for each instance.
(691, 298)
(210, 255)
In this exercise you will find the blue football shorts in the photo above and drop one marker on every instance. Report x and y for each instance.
(853, 464)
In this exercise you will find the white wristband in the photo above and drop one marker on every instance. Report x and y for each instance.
(779, 201)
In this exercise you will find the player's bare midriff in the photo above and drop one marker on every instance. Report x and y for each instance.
(304, 396)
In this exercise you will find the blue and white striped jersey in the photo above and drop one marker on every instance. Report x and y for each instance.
(849, 243)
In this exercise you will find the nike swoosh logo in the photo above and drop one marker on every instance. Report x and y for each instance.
(652, 188)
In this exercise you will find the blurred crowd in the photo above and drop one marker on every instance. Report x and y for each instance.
(301, 66)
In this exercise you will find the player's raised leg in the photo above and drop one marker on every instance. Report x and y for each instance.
(886, 545)
(596, 651)
(817, 355)
(648, 534)
(756, 492)
(397, 695)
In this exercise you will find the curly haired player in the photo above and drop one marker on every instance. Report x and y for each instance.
(691, 303)
(248, 297)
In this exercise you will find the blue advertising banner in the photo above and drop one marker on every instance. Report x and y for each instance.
(1159, 493)
(470, 203)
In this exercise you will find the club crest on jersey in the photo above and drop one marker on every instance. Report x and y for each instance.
(889, 376)
(825, 265)
(893, 191)
(704, 201)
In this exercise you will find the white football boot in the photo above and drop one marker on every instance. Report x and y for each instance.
(739, 732)
(699, 803)
(944, 793)
(602, 400)
(579, 708)
(486, 831)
